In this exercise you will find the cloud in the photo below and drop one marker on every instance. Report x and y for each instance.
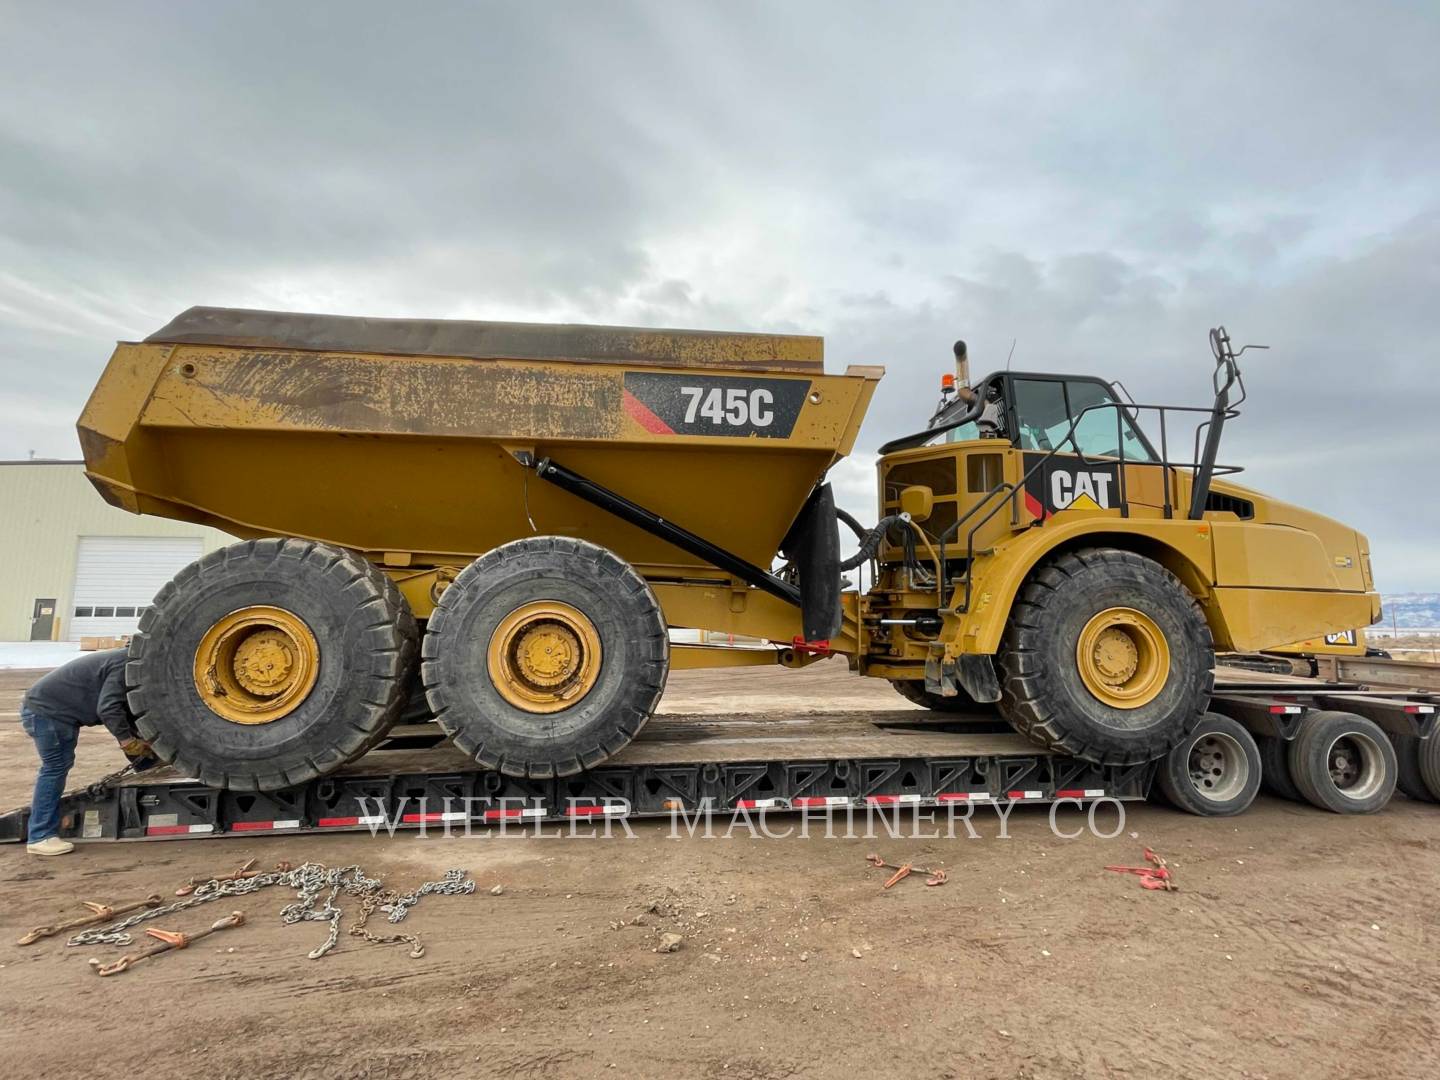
(1098, 185)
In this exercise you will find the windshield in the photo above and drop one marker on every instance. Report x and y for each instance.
(1045, 409)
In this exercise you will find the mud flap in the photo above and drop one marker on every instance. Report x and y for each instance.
(813, 544)
(975, 674)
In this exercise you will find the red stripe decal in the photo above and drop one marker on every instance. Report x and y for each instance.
(251, 826)
(1071, 793)
(415, 819)
(1033, 505)
(335, 822)
(166, 830)
(641, 414)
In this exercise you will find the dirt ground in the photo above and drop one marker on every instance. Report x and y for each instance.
(1299, 946)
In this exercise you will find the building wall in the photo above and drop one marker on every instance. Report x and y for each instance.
(45, 507)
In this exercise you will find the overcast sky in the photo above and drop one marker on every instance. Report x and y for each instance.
(1099, 183)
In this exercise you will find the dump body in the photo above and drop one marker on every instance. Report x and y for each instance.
(403, 439)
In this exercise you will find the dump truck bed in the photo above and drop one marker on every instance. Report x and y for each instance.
(404, 436)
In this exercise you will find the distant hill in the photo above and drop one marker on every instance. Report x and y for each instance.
(1416, 610)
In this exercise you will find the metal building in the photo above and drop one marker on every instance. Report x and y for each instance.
(71, 565)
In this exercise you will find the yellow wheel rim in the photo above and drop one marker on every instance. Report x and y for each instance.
(544, 656)
(256, 665)
(1123, 657)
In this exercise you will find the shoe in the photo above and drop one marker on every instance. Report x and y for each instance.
(51, 845)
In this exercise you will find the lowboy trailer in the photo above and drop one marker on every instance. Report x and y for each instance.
(1343, 746)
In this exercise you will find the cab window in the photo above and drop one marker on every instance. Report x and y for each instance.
(1045, 409)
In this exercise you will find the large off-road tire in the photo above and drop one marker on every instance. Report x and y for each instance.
(270, 662)
(1429, 756)
(1343, 762)
(914, 690)
(1275, 768)
(545, 657)
(1408, 776)
(1106, 657)
(1215, 771)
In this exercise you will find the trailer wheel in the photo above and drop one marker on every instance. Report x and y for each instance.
(914, 690)
(1409, 777)
(1215, 771)
(1429, 756)
(1275, 768)
(270, 662)
(545, 657)
(1106, 657)
(1343, 762)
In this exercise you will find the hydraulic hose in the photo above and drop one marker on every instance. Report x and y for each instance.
(870, 541)
(850, 520)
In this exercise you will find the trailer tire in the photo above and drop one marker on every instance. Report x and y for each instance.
(1429, 756)
(914, 690)
(1275, 768)
(1215, 771)
(1343, 763)
(1409, 777)
(335, 627)
(545, 657)
(1051, 686)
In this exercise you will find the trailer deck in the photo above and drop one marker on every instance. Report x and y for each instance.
(684, 763)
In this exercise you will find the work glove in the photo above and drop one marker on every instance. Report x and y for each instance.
(138, 752)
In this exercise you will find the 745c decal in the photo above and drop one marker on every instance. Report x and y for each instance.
(732, 406)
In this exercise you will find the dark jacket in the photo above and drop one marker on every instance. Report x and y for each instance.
(87, 691)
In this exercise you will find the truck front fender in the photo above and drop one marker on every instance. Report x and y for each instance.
(1182, 546)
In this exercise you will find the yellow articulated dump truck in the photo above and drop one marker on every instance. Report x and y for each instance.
(510, 519)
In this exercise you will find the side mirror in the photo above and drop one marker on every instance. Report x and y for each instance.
(917, 501)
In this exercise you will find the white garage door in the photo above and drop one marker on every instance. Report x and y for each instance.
(117, 576)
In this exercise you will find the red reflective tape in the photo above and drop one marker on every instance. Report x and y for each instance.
(891, 800)
(591, 809)
(1071, 793)
(176, 830)
(820, 800)
(264, 826)
(341, 822)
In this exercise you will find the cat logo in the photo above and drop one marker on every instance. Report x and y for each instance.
(1344, 637)
(1080, 490)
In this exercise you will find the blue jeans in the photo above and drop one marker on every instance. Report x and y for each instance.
(55, 743)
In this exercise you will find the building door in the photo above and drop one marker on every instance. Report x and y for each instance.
(116, 578)
(42, 622)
